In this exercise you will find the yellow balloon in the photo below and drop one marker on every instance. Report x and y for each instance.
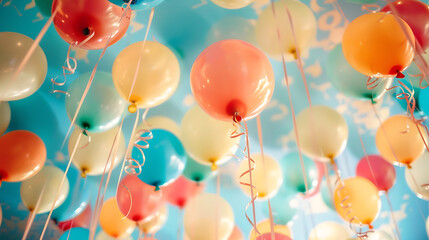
(330, 231)
(232, 4)
(4, 116)
(44, 185)
(265, 227)
(161, 122)
(207, 216)
(13, 48)
(322, 132)
(356, 199)
(304, 24)
(267, 176)
(91, 157)
(113, 222)
(155, 222)
(207, 140)
(398, 140)
(231, 27)
(157, 77)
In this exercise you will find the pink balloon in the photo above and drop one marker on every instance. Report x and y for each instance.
(378, 171)
(81, 220)
(277, 236)
(181, 190)
(137, 197)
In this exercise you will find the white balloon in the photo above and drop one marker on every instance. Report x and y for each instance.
(419, 173)
(379, 235)
(4, 116)
(330, 231)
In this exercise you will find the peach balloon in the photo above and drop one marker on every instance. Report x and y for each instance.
(236, 234)
(113, 221)
(265, 227)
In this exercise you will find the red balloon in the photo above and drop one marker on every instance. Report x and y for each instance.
(181, 190)
(416, 14)
(81, 220)
(76, 20)
(378, 171)
(277, 236)
(138, 198)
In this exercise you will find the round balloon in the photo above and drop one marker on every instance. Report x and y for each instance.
(113, 222)
(13, 48)
(236, 234)
(102, 108)
(417, 177)
(4, 116)
(265, 227)
(422, 99)
(231, 27)
(330, 231)
(137, 4)
(284, 206)
(45, 7)
(81, 220)
(232, 4)
(232, 79)
(195, 171)
(161, 122)
(75, 233)
(181, 191)
(155, 222)
(378, 171)
(293, 175)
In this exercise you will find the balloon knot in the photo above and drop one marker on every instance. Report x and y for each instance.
(370, 226)
(132, 108)
(400, 75)
(293, 52)
(331, 158)
(83, 173)
(237, 118)
(86, 31)
(157, 188)
(214, 166)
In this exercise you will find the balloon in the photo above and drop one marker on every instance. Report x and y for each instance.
(91, 159)
(44, 7)
(232, 79)
(195, 171)
(102, 235)
(351, 82)
(232, 4)
(378, 171)
(81, 220)
(277, 236)
(76, 201)
(236, 234)
(375, 45)
(398, 140)
(161, 122)
(329, 231)
(422, 99)
(165, 159)
(414, 69)
(322, 132)
(207, 140)
(112, 221)
(76, 233)
(284, 206)
(157, 77)
(416, 15)
(77, 22)
(327, 195)
(102, 108)
(138, 4)
(379, 235)
(4, 116)
(22, 155)
(231, 27)
(267, 176)
(292, 172)
(207, 216)
(417, 177)
(304, 24)
(265, 227)
(181, 191)
(156, 222)
(357, 200)
(13, 48)
(137, 198)
(44, 185)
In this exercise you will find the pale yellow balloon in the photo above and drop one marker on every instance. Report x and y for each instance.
(304, 23)
(113, 222)
(161, 122)
(155, 222)
(44, 184)
(232, 4)
(267, 176)
(208, 215)
(231, 27)
(322, 132)
(207, 140)
(417, 176)
(330, 231)
(265, 227)
(102, 235)
(91, 157)
(157, 77)
(13, 48)
(4, 116)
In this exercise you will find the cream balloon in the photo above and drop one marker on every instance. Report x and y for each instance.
(322, 132)
(330, 231)
(44, 185)
(102, 235)
(161, 122)
(231, 27)
(265, 227)
(4, 116)
(232, 4)
(417, 176)
(379, 235)
(304, 23)
(157, 77)
(155, 222)
(207, 216)
(267, 176)
(207, 140)
(13, 48)
(91, 159)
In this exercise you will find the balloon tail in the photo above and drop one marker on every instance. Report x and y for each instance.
(392, 215)
(371, 84)
(371, 8)
(33, 213)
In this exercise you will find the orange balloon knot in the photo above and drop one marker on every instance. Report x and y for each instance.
(83, 173)
(370, 226)
(408, 165)
(132, 108)
(293, 52)
(331, 158)
(400, 75)
(214, 166)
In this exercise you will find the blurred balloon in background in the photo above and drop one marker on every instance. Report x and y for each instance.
(45, 7)
(76, 233)
(161, 122)
(411, 87)
(422, 100)
(265, 227)
(277, 236)
(4, 116)
(81, 220)
(417, 176)
(284, 205)
(138, 4)
(327, 191)
(180, 191)
(329, 231)
(196, 171)
(155, 222)
(232, 4)
(102, 235)
(236, 234)
(231, 27)
(292, 172)
(379, 235)
(113, 222)
(378, 171)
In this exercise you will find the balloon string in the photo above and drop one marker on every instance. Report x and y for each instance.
(386, 194)
(217, 206)
(33, 213)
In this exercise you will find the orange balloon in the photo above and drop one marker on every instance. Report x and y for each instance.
(356, 199)
(398, 140)
(375, 45)
(113, 221)
(22, 155)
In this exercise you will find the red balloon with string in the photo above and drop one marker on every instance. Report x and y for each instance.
(81, 220)
(92, 21)
(378, 171)
(181, 190)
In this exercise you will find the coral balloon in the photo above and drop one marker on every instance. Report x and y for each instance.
(232, 4)
(156, 78)
(378, 171)
(181, 191)
(398, 140)
(236, 234)
(265, 227)
(195, 171)
(375, 45)
(304, 26)
(75, 233)
(206, 139)
(22, 155)
(161, 122)
(13, 48)
(113, 222)
(330, 231)
(292, 172)
(81, 220)
(136, 199)
(138, 4)
(417, 177)
(232, 78)
(155, 222)
(356, 199)
(322, 132)
(4, 116)
(97, 18)
(277, 236)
